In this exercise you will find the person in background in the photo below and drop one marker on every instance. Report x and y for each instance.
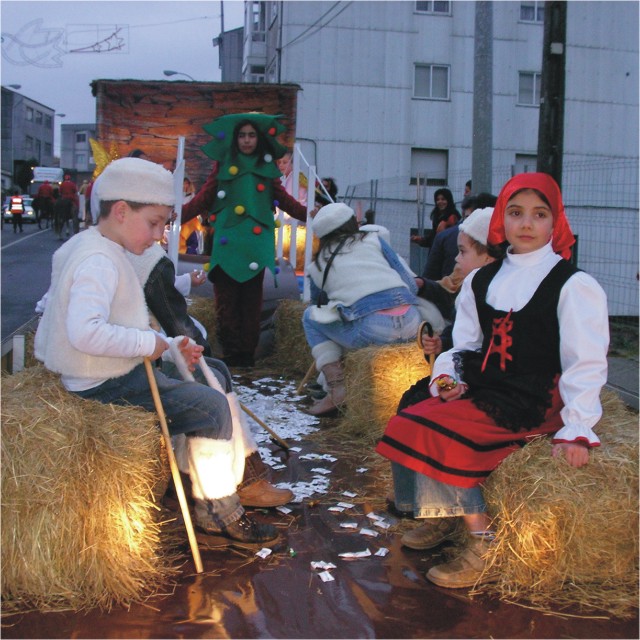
(443, 215)
(16, 207)
(332, 189)
(45, 200)
(285, 164)
(69, 191)
(442, 256)
(529, 358)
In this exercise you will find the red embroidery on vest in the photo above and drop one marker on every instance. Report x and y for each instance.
(500, 341)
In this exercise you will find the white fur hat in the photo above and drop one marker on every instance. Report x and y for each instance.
(330, 217)
(136, 180)
(476, 225)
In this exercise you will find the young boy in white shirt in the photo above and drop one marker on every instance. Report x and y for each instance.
(95, 333)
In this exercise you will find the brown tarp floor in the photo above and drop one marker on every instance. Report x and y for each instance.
(240, 595)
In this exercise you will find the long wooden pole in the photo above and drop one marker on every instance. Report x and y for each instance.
(175, 472)
(271, 432)
(304, 380)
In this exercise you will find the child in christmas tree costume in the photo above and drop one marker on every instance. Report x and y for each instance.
(245, 148)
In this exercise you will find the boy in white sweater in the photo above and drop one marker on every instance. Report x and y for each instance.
(95, 333)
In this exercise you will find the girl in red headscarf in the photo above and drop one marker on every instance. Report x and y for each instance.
(529, 358)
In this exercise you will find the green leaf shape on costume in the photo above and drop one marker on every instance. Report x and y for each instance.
(221, 129)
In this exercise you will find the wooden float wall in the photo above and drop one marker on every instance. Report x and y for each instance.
(151, 115)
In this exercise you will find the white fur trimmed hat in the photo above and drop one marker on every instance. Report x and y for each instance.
(136, 180)
(476, 225)
(330, 217)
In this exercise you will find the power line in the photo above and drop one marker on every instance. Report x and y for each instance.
(326, 13)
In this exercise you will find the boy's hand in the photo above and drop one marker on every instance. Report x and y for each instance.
(431, 345)
(161, 347)
(191, 352)
(577, 455)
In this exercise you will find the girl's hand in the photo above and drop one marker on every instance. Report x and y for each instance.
(431, 345)
(577, 455)
(197, 277)
(449, 389)
(191, 352)
(161, 347)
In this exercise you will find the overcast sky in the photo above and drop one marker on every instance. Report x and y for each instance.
(55, 49)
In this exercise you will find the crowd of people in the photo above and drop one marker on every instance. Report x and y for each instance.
(522, 352)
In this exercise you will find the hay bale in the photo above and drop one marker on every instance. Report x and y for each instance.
(569, 537)
(375, 379)
(292, 354)
(80, 527)
(203, 309)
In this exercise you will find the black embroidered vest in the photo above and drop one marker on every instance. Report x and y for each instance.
(511, 378)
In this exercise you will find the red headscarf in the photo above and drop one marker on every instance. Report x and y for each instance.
(562, 238)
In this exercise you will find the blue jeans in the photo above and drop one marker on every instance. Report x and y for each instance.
(371, 329)
(428, 498)
(190, 408)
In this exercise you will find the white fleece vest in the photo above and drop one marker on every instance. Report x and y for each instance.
(358, 270)
(128, 308)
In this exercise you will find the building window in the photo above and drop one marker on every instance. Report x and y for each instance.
(81, 137)
(47, 121)
(431, 81)
(256, 73)
(258, 21)
(433, 6)
(47, 149)
(532, 11)
(431, 164)
(529, 88)
(38, 152)
(28, 144)
(81, 159)
(38, 117)
(29, 113)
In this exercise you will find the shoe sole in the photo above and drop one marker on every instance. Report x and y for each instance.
(212, 542)
(418, 547)
(461, 585)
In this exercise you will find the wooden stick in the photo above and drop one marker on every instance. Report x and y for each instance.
(273, 434)
(175, 472)
(432, 356)
(307, 375)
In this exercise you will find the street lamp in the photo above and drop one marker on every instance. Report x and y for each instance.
(169, 72)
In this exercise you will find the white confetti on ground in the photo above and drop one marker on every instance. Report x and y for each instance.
(274, 401)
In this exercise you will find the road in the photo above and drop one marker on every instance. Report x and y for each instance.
(26, 272)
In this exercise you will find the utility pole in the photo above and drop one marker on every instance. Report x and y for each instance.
(482, 145)
(551, 124)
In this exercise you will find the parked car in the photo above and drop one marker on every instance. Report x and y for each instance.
(28, 215)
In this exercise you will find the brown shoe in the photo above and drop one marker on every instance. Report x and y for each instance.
(431, 533)
(471, 567)
(263, 494)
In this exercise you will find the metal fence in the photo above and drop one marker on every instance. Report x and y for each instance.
(601, 201)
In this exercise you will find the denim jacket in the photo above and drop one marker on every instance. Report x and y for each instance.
(387, 299)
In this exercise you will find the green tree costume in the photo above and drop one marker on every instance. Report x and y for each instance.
(242, 216)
